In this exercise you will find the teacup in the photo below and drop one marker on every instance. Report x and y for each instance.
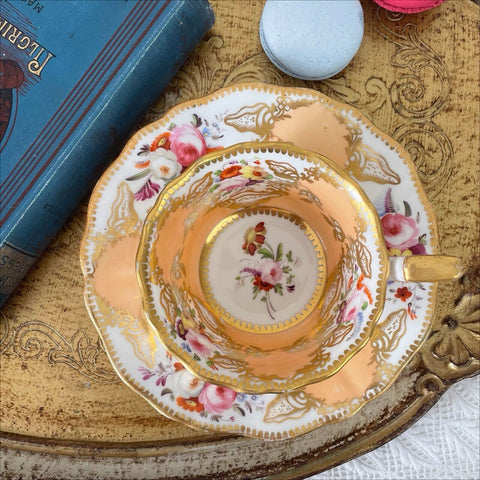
(263, 267)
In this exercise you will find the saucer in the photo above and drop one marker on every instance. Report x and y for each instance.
(126, 192)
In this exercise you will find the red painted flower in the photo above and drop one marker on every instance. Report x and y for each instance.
(191, 404)
(403, 294)
(262, 285)
(161, 141)
(254, 238)
(231, 171)
(178, 366)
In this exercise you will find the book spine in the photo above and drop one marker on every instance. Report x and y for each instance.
(97, 141)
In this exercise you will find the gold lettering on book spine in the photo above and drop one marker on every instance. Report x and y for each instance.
(14, 35)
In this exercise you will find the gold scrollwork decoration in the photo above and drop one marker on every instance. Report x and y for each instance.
(229, 363)
(453, 348)
(429, 385)
(258, 118)
(124, 219)
(363, 163)
(388, 334)
(133, 329)
(336, 337)
(258, 68)
(432, 152)
(5, 330)
(363, 255)
(166, 297)
(35, 339)
(252, 198)
(424, 86)
(198, 189)
(289, 406)
(283, 170)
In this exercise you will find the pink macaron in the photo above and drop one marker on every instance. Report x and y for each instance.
(408, 6)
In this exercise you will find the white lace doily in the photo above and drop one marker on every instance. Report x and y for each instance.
(443, 445)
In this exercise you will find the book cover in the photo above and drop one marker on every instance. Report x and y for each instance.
(75, 76)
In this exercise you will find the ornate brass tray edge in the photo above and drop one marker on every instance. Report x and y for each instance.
(318, 460)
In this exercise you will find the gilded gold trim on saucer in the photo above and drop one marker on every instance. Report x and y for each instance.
(361, 152)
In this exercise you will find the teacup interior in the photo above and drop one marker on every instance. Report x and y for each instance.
(262, 269)
(270, 268)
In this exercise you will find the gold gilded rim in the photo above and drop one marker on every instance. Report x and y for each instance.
(242, 384)
(315, 298)
(88, 269)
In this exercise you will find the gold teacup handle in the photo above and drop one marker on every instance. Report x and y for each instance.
(425, 268)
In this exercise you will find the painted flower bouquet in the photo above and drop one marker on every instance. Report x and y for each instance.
(170, 153)
(270, 271)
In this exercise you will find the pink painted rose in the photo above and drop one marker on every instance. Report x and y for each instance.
(199, 343)
(399, 231)
(216, 399)
(233, 183)
(271, 271)
(187, 143)
(352, 308)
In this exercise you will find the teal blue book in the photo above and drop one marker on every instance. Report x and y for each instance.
(75, 77)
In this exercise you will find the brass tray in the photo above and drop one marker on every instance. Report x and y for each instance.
(65, 413)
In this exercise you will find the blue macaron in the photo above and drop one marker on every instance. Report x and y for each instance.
(311, 39)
